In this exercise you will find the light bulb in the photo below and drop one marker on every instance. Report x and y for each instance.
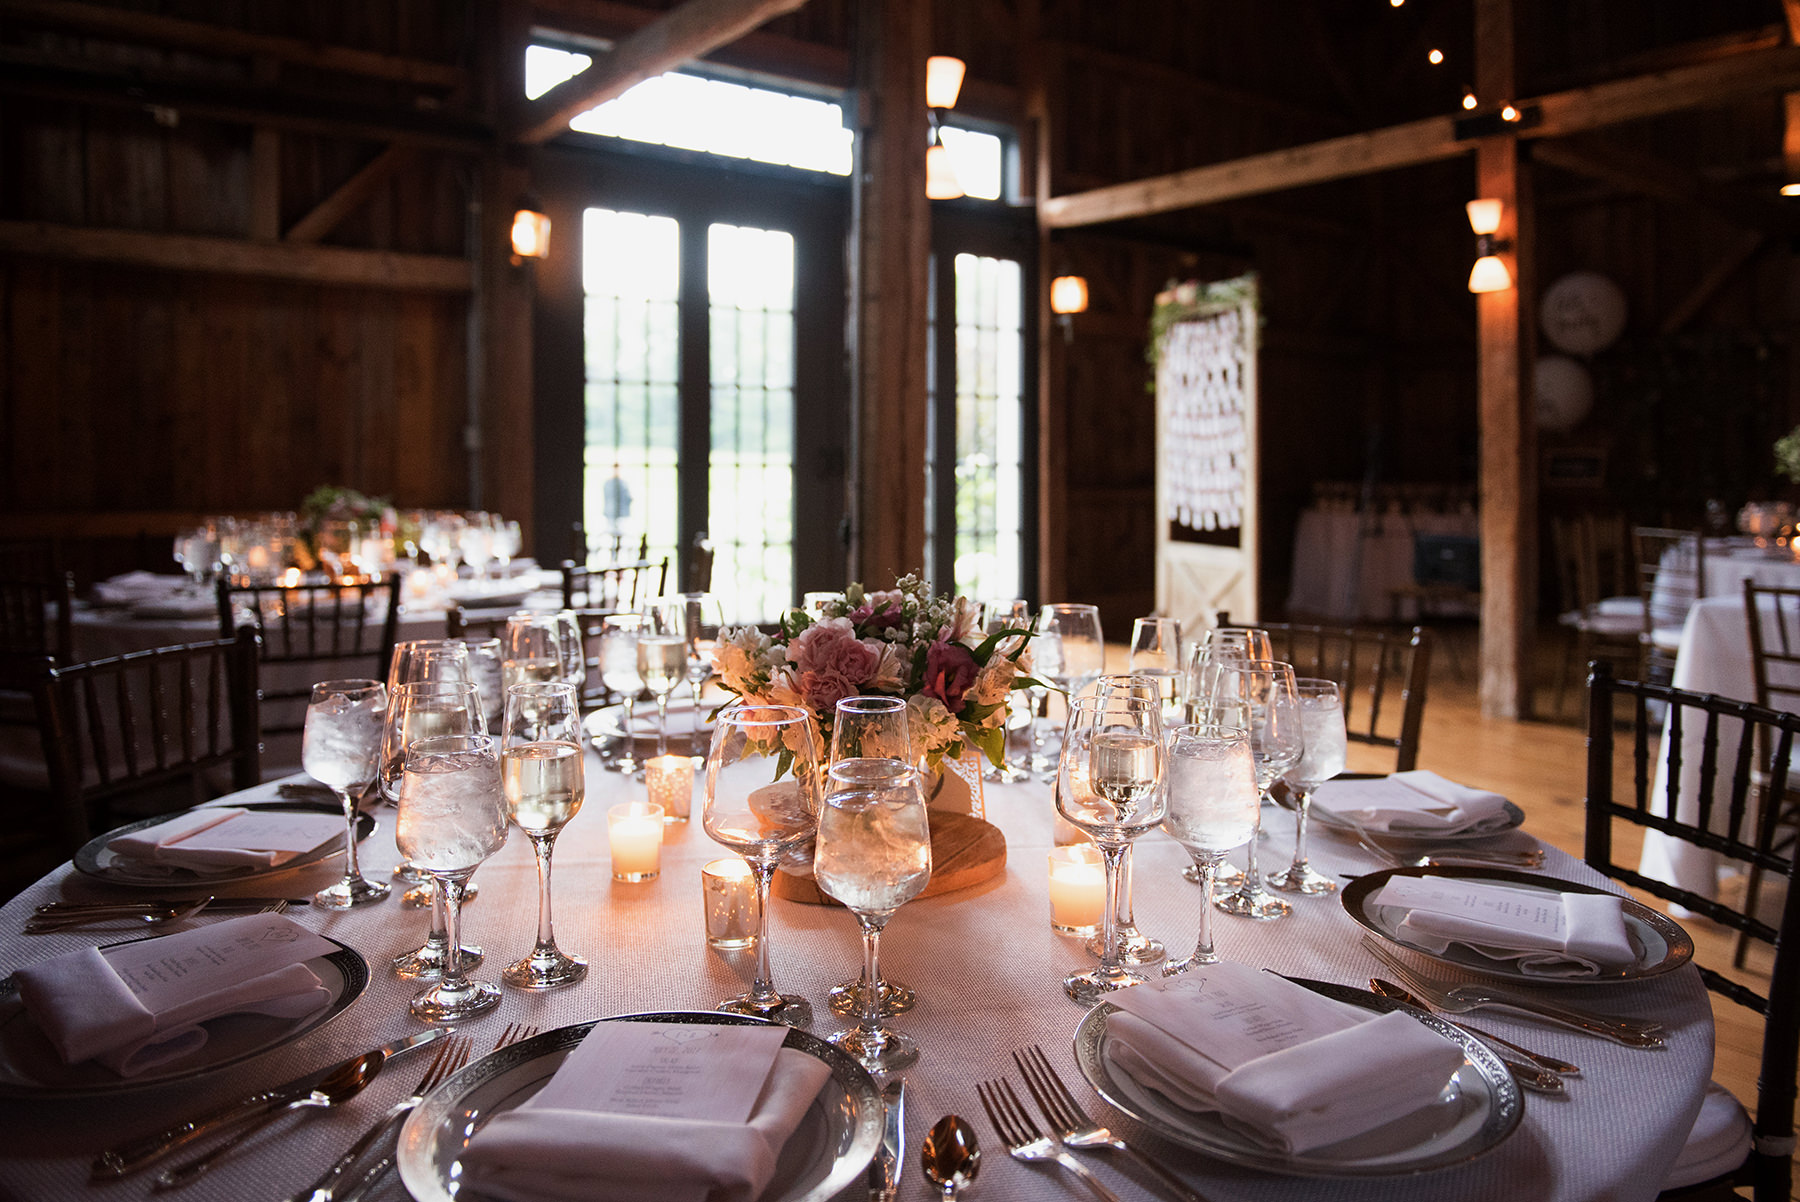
(943, 81)
(1509, 113)
(1484, 214)
(1436, 56)
(1468, 100)
(1068, 294)
(940, 176)
(1489, 275)
(530, 234)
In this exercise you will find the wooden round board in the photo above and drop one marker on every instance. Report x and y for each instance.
(965, 851)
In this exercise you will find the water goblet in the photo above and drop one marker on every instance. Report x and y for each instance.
(1047, 660)
(619, 673)
(662, 655)
(703, 618)
(1020, 712)
(1131, 945)
(1156, 655)
(340, 748)
(873, 855)
(1213, 804)
(541, 774)
(452, 817)
(1110, 786)
(413, 661)
(1083, 648)
(533, 649)
(871, 728)
(1322, 724)
(1207, 657)
(762, 780)
(487, 671)
(1276, 744)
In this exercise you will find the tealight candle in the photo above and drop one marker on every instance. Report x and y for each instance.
(729, 889)
(671, 782)
(1077, 889)
(634, 829)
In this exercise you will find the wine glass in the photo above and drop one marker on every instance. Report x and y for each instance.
(1156, 654)
(1046, 658)
(1131, 945)
(1110, 785)
(1207, 657)
(662, 655)
(619, 673)
(452, 817)
(1276, 743)
(1011, 615)
(1213, 805)
(476, 542)
(487, 671)
(762, 780)
(340, 748)
(1322, 725)
(541, 773)
(534, 649)
(872, 728)
(1083, 651)
(874, 855)
(419, 660)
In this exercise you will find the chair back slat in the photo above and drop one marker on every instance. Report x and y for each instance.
(35, 617)
(1772, 622)
(314, 623)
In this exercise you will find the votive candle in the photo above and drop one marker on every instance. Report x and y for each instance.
(671, 782)
(1077, 889)
(634, 830)
(728, 887)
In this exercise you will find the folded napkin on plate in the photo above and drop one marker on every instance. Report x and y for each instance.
(551, 1153)
(138, 586)
(1545, 934)
(1276, 1061)
(222, 838)
(1412, 803)
(138, 1005)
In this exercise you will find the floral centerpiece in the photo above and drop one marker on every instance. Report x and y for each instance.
(901, 642)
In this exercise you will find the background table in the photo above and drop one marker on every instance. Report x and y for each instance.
(1349, 564)
(987, 969)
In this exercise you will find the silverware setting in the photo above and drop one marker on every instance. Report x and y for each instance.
(1524, 1068)
(62, 916)
(1460, 998)
(1016, 1129)
(951, 1157)
(1561, 1068)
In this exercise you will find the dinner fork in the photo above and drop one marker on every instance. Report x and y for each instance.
(1073, 1126)
(1022, 1138)
(1460, 999)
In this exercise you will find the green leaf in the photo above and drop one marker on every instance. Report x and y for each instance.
(784, 763)
(993, 640)
(992, 743)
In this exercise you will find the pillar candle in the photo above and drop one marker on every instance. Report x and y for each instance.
(1077, 889)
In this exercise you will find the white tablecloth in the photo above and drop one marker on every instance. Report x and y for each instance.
(1727, 571)
(986, 966)
(1348, 564)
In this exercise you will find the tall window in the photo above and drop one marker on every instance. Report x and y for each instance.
(990, 439)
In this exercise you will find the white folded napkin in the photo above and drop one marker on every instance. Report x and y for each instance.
(533, 1153)
(1544, 934)
(138, 1005)
(1416, 802)
(1276, 1061)
(222, 838)
(138, 586)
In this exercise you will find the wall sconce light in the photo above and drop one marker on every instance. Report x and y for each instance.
(530, 233)
(1068, 294)
(1790, 189)
(943, 83)
(1489, 273)
(940, 175)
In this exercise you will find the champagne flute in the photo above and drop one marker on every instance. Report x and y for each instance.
(1276, 743)
(541, 774)
(1110, 785)
(662, 658)
(619, 673)
(1213, 805)
(1322, 724)
(1132, 946)
(452, 817)
(762, 780)
(1156, 654)
(1014, 614)
(874, 855)
(340, 748)
(871, 728)
(1208, 657)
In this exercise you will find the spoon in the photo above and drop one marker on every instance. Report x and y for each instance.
(951, 1156)
(340, 1086)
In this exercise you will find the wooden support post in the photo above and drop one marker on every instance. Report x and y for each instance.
(1505, 351)
(891, 269)
(1052, 448)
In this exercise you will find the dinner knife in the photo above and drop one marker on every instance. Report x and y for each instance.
(59, 908)
(884, 1170)
(129, 1158)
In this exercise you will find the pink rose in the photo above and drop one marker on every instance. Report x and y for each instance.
(831, 663)
(821, 691)
(950, 669)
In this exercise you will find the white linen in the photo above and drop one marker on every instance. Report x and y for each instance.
(1416, 802)
(529, 1154)
(132, 587)
(1544, 934)
(222, 838)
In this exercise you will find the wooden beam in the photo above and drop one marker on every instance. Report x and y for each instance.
(349, 195)
(774, 54)
(1648, 175)
(1086, 54)
(229, 256)
(105, 21)
(1728, 266)
(680, 35)
(1739, 77)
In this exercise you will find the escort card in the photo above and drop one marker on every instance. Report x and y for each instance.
(666, 1070)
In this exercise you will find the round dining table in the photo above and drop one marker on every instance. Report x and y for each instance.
(987, 968)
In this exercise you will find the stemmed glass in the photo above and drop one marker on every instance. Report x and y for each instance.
(416, 661)
(534, 649)
(541, 772)
(1213, 804)
(1110, 785)
(762, 781)
(871, 728)
(340, 748)
(1132, 946)
(476, 542)
(1322, 724)
(1156, 654)
(874, 855)
(452, 817)
(1020, 713)
(1047, 664)
(1077, 628)
(1207, 657)
(487, 670)
(662, 658)
(1276, 743)
(702, 618)
(619, 673)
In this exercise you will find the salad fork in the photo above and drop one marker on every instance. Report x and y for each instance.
(1073, 1126)
(1022, 1138)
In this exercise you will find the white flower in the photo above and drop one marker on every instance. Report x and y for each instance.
(894, 669)
(992, 683)
(931, 725)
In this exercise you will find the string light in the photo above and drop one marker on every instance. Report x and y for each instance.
(1790, 189)
(1509, 113)
(1436, 56)
(1468, 100)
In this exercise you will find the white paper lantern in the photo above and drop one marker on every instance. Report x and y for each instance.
(1562, 393)
(1583, 312)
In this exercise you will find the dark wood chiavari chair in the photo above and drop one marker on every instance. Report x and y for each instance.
(314, 623)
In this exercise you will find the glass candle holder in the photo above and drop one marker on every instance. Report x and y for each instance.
(634, 831)
(728, 887)
(1077, 889)
(671, 783)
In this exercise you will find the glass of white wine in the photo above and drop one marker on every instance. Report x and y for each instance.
(873, 855)
(1213, 803)
(341, 749)
(1276, 744)
(1322, 724)
(662, 653)
(541, 773)
(619, 673)
(872, 728)
(533, 649)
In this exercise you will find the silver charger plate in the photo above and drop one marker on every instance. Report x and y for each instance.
(97, 860)
(1478, 1109)
(1511, 820)
(690, 730)
(1661, 944)
(830, 1149)
(30, 1066)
